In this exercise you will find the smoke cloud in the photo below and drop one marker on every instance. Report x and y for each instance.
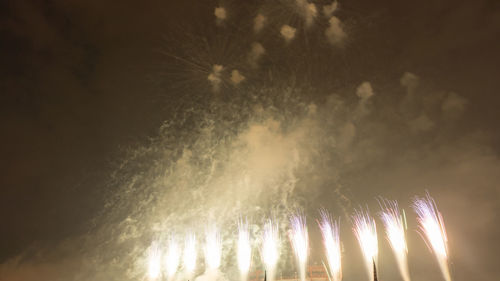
(334, 33)
(288, 32)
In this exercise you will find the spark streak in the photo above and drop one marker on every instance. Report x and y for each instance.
(395, 230)
(270, 248)
(244, 249)
(213, 248)
(331, 242)
(172, 258)
(190, 255)
(366, 232)
(432, 227)
(300, 242)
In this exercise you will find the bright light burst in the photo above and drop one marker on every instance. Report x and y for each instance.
(300, 242)
(244, 248)
(331, 242)
(213, 248)
(172, 258)
(270, 248)
(366, 232)
(154, 261)
(432, 227)
(395, 229)
(190, 255)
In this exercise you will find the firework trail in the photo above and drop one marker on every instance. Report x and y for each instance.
(432, 228)
(244, 249)
(366, 232)
(331, 242)
(270, 248)
(213, 248)
(190, 255)
(172, 258)
(395, 229)
(154, 261)
(300, 242)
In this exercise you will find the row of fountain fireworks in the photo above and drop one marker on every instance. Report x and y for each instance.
(429, 219)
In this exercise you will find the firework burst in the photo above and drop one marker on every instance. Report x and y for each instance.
(432, 228)
(331, 242)
(395, 229)
(366, 232)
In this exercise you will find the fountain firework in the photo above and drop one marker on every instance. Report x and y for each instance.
(270, 248)
(190, 254)
(395, 229)
(366, 232)
(300, 242)
(172, 258)
(331, 242)
(213, 248)
(244, 249)
(154, 261)
(432, 228)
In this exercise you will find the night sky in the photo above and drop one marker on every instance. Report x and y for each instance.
(106, 106)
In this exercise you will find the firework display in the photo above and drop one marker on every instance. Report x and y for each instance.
(300, 242)
(331, 243)
(365, 230)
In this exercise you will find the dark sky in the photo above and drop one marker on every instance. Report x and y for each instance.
(81, 81)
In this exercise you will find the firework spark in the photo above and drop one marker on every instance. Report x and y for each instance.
(331, 242)
(366, 232)
(190, 255)
(300, 242)
(172, 258)
(213, 248)
(432, 228)
(244, 249)
(395, 229)
(270, 248)
(154, 262)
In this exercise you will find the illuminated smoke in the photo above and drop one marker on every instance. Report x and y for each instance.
(190, 254)
(213, 248)
(395, 229)
(215, 77)
(366, 233)
(244, 249)
(432, 228)
(287, 32)
(335, 33)
(154, 262)
(300, 242)
(172, 258)
(220, 14)
(331, 243)
(270, 248)
(307, 10)
(256, 52)
(258, 23)
(328, 10)
(236, 77)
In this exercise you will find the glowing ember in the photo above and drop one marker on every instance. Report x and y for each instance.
(244, 249)
(300, 242)
(190, 255)
(154, 262)
(395, 229)
(366, 233)
(270, 248)
(213, 248)
(331, 242)
(432, 227)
